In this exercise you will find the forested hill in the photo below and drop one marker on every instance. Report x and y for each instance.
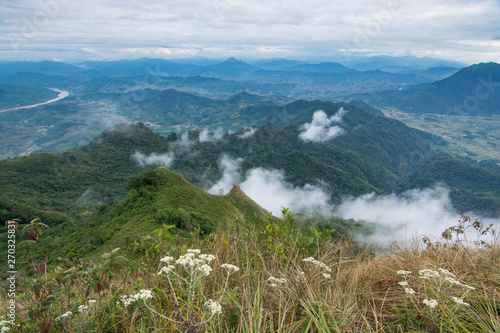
(369, 154)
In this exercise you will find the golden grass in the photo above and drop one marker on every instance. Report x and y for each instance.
(362, 295)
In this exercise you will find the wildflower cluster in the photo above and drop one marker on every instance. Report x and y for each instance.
(437, 282)
(214, 307)
(274, 282)
(184, 275)
(144, 295)
(326, 270)
(4, 325)
(65, 315)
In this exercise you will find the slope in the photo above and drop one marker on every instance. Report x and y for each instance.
(471, 91)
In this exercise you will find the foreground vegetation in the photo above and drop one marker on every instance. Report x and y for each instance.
(282, 278)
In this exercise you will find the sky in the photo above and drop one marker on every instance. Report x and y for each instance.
(72, 30)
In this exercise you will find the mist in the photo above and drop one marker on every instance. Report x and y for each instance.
(414, 213)
(164, 160)
(206, 136)
(248, 133)
(323, 128)
(269, 188)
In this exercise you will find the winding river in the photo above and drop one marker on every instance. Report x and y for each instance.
(62, 94)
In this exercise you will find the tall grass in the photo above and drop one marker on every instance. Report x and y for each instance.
(346, 289)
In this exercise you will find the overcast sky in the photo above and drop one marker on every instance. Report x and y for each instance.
(70, 30)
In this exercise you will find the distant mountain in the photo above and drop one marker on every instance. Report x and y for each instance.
(230, 68)
(471, 91)
(138, 67)
(277, 64)
(415, 63)
(44, 67)
(324, 67)
(440, 72)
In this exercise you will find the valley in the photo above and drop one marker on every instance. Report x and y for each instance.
(475, 137)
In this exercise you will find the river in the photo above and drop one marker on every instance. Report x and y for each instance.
(62, 94)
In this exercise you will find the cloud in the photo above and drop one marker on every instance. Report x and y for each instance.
(322, 127)
(131, 29)
(154, 159)
(206, 136)
(247, 133)
(230, 175)
(415, 212)
(270, 189)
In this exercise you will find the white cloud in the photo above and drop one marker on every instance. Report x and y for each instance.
(206, 136)
(270, 189)
(247, 133)
(154, 159)
(323, 128)
(413, 213)
(230, 175)
(135, 28)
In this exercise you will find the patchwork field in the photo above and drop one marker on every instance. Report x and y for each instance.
(477, 137)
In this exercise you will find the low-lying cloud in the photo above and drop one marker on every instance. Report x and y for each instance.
(164, 160)
(247, 133)
(207, 136)
(270, 189)
(416, 212)
(230, 175)
(323, 128)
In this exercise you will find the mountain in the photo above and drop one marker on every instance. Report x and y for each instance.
(371, 154)
(406, 62)
(229, 68)
(324, 67)
(137, 67)
(471, 91)
(44, 67)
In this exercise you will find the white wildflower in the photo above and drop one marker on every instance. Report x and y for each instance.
(428, 274)
(82, 308)
(327, 276)
(230, 268)
(274, 281)
(432, 303)
(65, 315)
(460, 301)
(167, 259)
(126, 300)
(205, 269)
(452, 280)
(317, 263)
(92, 302)
(467, 286)
(165, 270)
(214, 306)
(207, 258)
(409, 291)
(446, 272)
(403, 283)
(143, 294)
(404, 273)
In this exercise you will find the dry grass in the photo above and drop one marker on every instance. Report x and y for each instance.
(362, 295)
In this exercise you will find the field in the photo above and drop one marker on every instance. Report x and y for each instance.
(476, 137)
